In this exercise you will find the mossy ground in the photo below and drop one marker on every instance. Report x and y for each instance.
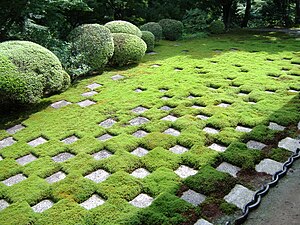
(214, 70)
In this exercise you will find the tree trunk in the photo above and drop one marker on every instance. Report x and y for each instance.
(247, 13)
(227, 13)
(297, 17)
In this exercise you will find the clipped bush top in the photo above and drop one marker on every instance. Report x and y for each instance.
(172, 29)
(149, 39)
(217, 27)
(120, 26)
(154, 28)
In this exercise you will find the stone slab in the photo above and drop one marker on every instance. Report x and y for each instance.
(7, 142)
(140, 134)
(255, 145)
(202, 222)
(107, 123)
(202, 117)
(138, 90)
(228, 168)
(224, 105)
(36, 142)
(163, 90)
(15, 129)
(269, 166)
(139, 110)
(60, 104)
(42, 206)
(141, 201)
(56, 177)
(105, 137)
(239, 196)
(193, 197)
(165, 108)
(170, 118)
(289, 144)
(70, 140)
(217, 147)
(172, 132)
(89, 94)
(197, 107)
(117, 77)
(140, 173)
(103, 154)
(243, 129)
(185, 171)
(26, 159)
(275, 126)
(14, 180)
(3, 204)
(1, 158)
(155, 65)
(138, 121)
(62, 157)
(140, 152)
(98, 176)
(93, 86)
(165, 98)
(178, 149)
(85, 103)
(210, 130)
(93, 202)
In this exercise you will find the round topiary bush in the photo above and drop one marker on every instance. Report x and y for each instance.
(120, 26)
(154, 28)
(172, 29)
(94, 44)
(128, 49)
(149, 39)
(31, 59)
(217, 27)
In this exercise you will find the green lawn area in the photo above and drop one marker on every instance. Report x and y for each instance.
(220, 82)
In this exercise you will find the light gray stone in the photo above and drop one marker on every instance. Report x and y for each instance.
(138, 121)
(1, 158)
(142, 201)
(217, 147)
(268, 166)
(275, 126)
(228, 168)
(140, 134)
(3, 204)
(103, 154)
(197, 107)
(151, 53)
(15, 129)
(70, 140)
(62, 157)
(107, 123)
(172, 132)
(270, 92)
(289, 144)
(93, 202)
(140, 173)
(140, 152)
(293, 91)
(242, 94)
(299, 126)
(85, 103)
(93, 86)
(36, 142)
(243, 129)
(239, 196)
(138, 90)
(98, 176)
(105, 137)
(26, 159)
(139, 110)
(165, 98)
(185, 171)
(203, 222)
(170, 118)
(224, 105)
(89, 94)
(163, 90)
(155, 65)
(42, 206)
(14, 180)
(191, 97)
(7, 142)
(251, 103)
(117, 77)
(203, 117)
(193, 197)
(60, 104)
(56, 177)
(177, 149)
(210, 130)
(165, 108)
(255, 145)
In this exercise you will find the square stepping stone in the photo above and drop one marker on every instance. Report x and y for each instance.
(172, 132)
(165, 108)
(228, 168)
(89, 94)
(270, 92)
(163, 90)
(255, 145)
(15, 129)
(275, 126)
(202, 222)
(70, 140)
(36, 142)
(139, 110)
(105, 137)
(298, 126)
(103, 154)
(197, 107)
(140, 152)
(138, 121)
(26, 159)
(289, 144)
(98, 176)
(210, 130)
(217, 147)
(1, 158)
(42, 206)
(93, 202)
(93, 86)
(62, 157)
(138, 90)
(170, 118)
(60, 104)
(151, 53)
(193, 197)
(293, 91)
(202, 117)
(239, 196)
(3, 204)
(141, 201)
(117, 77)
(155, 65)
(14, 180)
(165, 98)
(243, 129)
(7, 142)
(107, 123)
(191, 97)
(56, 177)
(242, 94)
(85, 103)
(178, 149)
(269, 166)
(185, 171)
(224, 105)
(251, 103)
(140, 173)
(140, 134)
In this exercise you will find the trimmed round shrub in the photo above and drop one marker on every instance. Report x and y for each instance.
(93, 44)
(154, 28)
(31, 59)
(149, 39)
(172, 29)
(128, 49)
(217, 27)
(120, 26)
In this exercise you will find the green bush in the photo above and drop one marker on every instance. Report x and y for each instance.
(195, 20)
(172, 29)
(149, 39)
(217, 27)
(128, 49)
(154, 28)
(120, 26)
(92, 45)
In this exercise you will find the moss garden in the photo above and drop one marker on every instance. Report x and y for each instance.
(141, 144)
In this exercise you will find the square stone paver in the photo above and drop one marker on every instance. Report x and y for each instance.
(70, 140)
(289, 144)
(243, 129)
(197, 107)
(172, 132)
(103, 154)
(60, 104)
(170, 118)
(138, 90)
(155, 65)
(139, 110)
(202, 222)
(7, 142)
(239, 196)
(14, 180)
(138, 121)
(224, 105)
(210, 130)
(93, 86)
(255, 145)
(141, 201)
(86, 103)
(185, 171)
(178, 149)
(26, 159)
(163, 90)
(193, 197)
(151, 53)
(1, 158)
(269, 166)
(98, 176)
(56, 177)
(3, 204)
(202, 117)
(140, 152)
(62, 157)
(117, 77)
(105, 137)
(191, 97)
(140, 173)
(275, 126)
(36, 142)
(140, 134)
(165, 98)
(107, 123)
(228, 168)
(165, 108)
(15, 129)
(299, 126)
(42, 206)
(93, 202)
(217, 147)
(89, 94)
(270, 92)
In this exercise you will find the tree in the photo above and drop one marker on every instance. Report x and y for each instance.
(247, 13)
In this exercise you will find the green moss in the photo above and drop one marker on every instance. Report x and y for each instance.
(154, 28)
(9, 167)
(120, 26)
(156, 139)
(279, 154)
